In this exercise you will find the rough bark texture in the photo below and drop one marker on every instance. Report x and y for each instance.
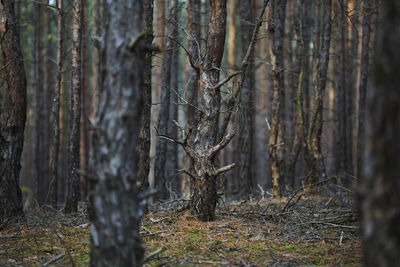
(144, 141)
(192, 85)
(56, 108)
(362, 83)
(12, 112)
(276, 145)
(246, 117)
(96, 62)
(117, 213)
(204, 186)
(160, 174)
(380, 185)
(71, 204)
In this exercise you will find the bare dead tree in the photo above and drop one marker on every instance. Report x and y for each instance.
(206, 142)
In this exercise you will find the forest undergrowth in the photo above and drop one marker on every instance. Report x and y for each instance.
(299, 230)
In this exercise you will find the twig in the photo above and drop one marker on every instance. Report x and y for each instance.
(151, 255)
(54, 259)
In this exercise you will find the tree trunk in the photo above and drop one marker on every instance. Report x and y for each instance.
(85, 108)
(246, 117)
(161, 180)
(380, 185)
(173, 180)
(276, 142)
(115, 226)
(12, 113)
(340, 113)
(71, 204)
(362, 83)
(192, 85)
(313, 149)
(144, 141)
(204, 186)
(53, 190)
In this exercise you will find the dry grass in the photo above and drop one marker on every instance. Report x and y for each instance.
(314, 231)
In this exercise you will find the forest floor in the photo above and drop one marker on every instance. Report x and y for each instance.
(293, 231)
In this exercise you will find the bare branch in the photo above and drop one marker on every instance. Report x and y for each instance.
(214, 150)
(227, 79)
(223, 169)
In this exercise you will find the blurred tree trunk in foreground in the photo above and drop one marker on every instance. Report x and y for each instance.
(116, 210)
(380, 183)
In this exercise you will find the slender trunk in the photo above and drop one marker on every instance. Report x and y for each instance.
(294, 141)
(12, 113)
(173, 177)
(276, 142)
(53, 190)
(115, 239)
(161, 181)
(85, 108)
(71, 204)
(313, 150)
(363, 78)
(192, 85)
(380, 185)
(246, 116)
(340, 114)
(144, 138)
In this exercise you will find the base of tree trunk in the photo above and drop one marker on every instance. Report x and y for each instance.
(204, 198)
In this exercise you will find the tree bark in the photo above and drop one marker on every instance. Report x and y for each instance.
(246, 115)
(340, 159)
(144, 141)
(12, 113)
(161, 181)
(313, 150)
(204, 197)
(380, 186)
(117, 212)
(192, 85)
(276, 142)
(362, 83)
(173, 177)
(71, 204)
(53, 190)
(85, 107)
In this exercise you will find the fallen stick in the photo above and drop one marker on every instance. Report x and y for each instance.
(54, 259)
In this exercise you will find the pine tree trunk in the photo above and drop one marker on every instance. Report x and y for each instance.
(12, 113)
(362, 83)
(71, 204)
(313, 149)
(246, 116)
(380, 184)
(192, 85)
(144, 141)
(276, 142)
(53, 190)
(204, 186)
(161, 181)
(85, 108)
(115, 224)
